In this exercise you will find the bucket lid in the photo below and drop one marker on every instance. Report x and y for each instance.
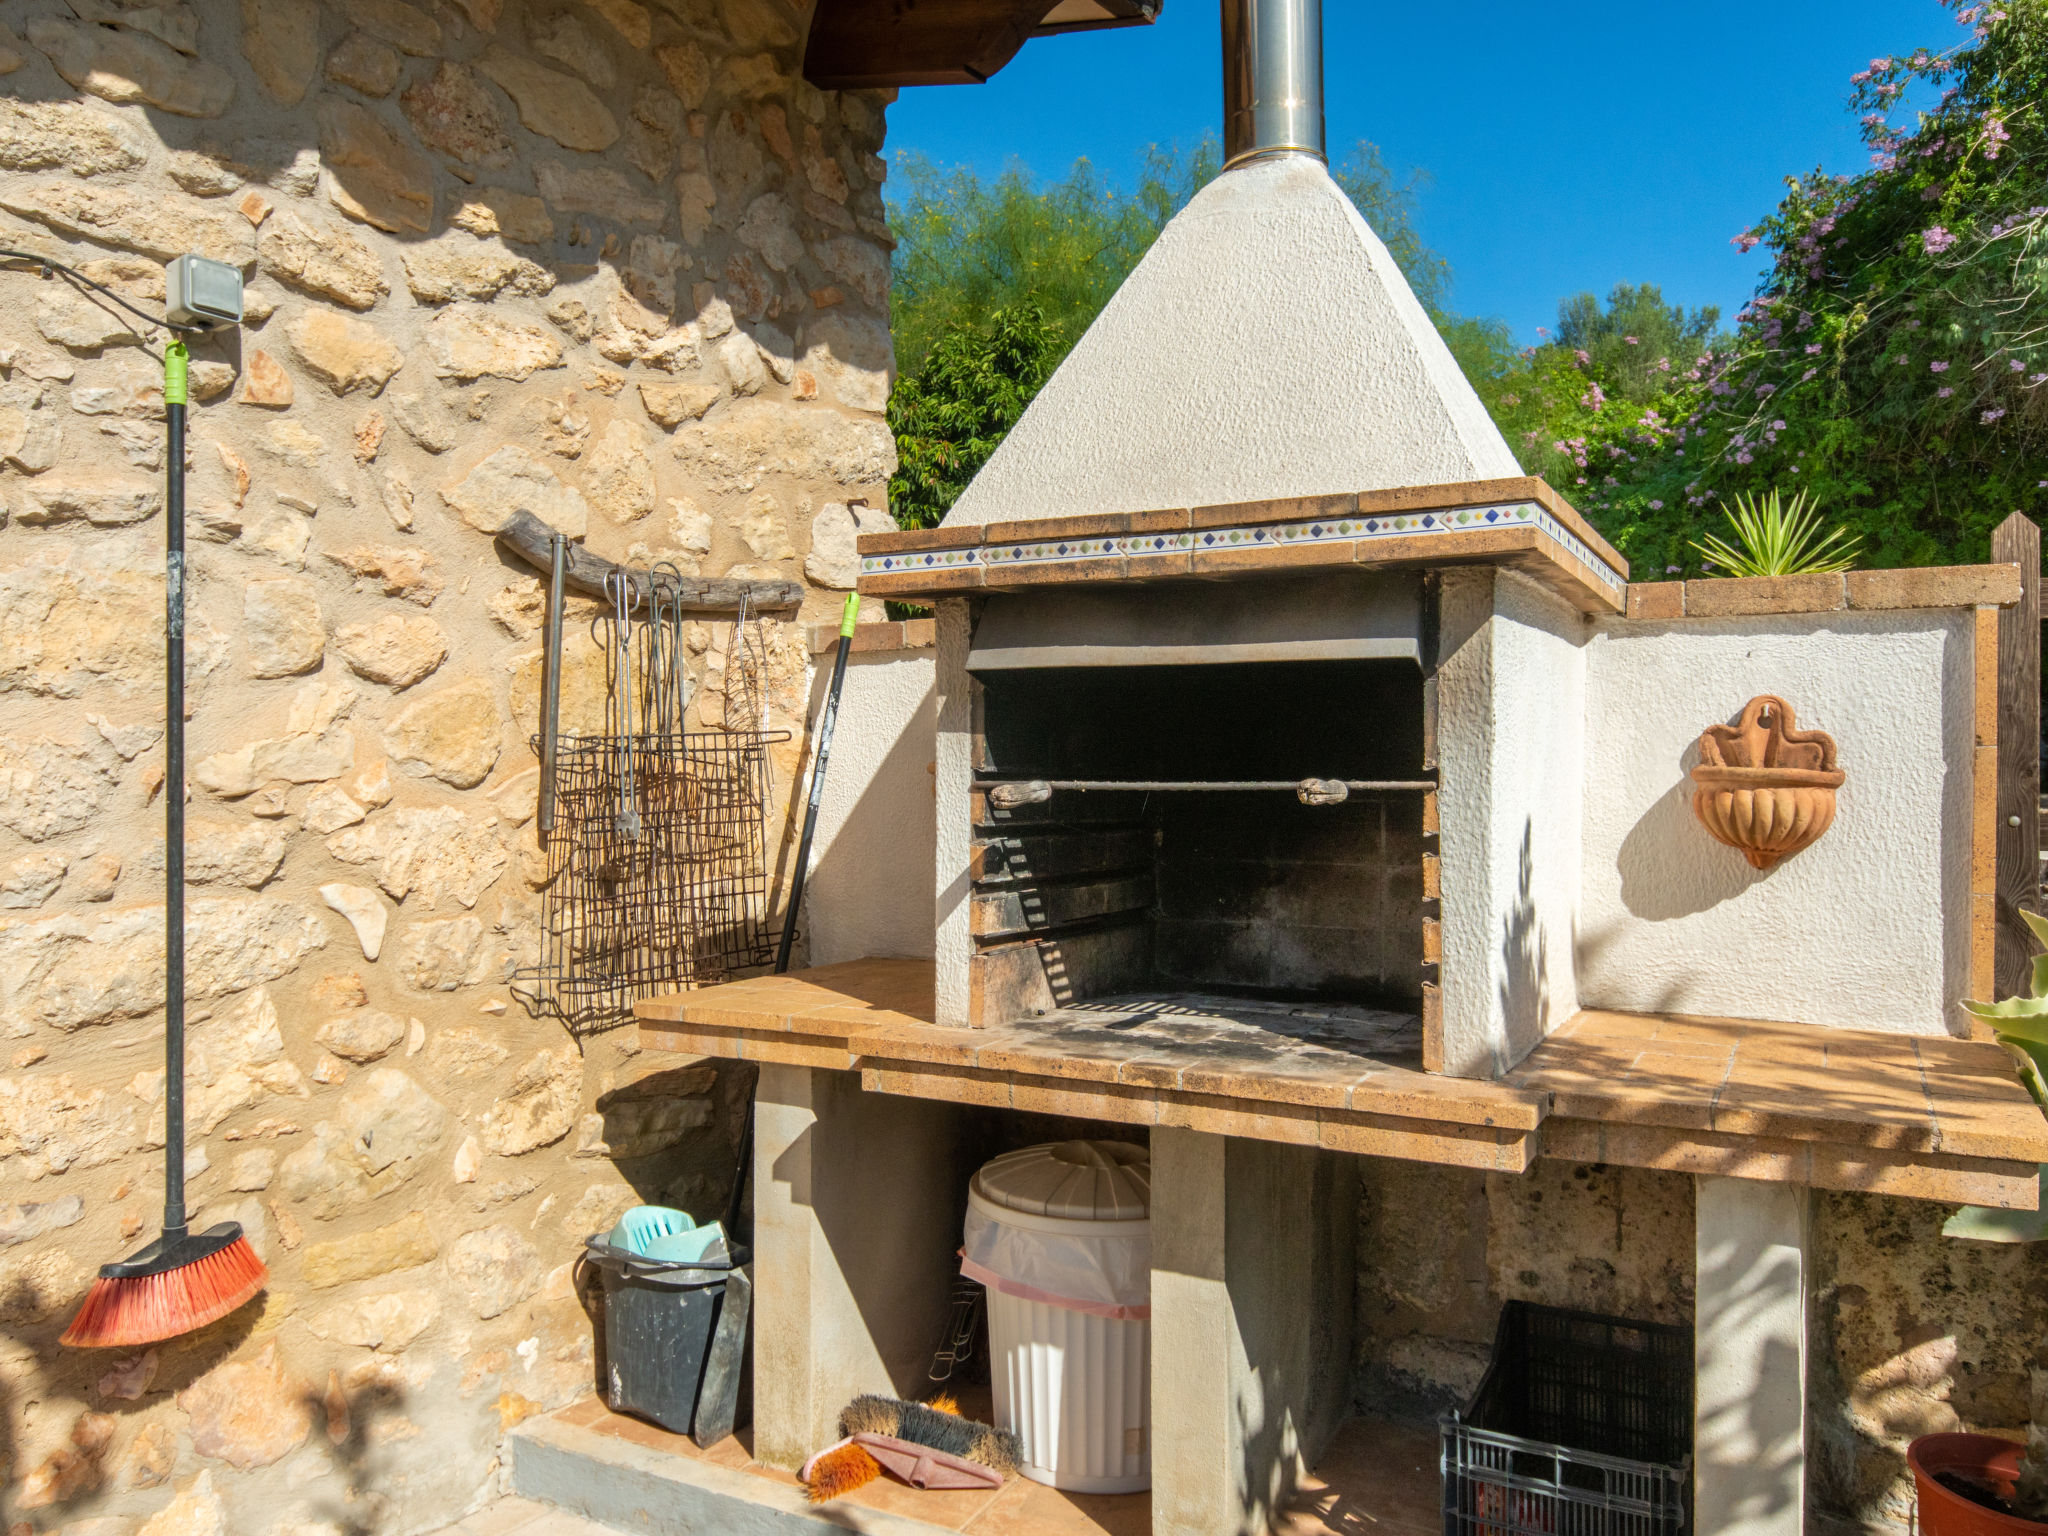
(1071, 1180)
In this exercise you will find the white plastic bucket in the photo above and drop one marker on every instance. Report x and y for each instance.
(1070, 1332)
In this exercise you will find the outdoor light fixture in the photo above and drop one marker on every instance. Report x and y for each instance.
(199, 291)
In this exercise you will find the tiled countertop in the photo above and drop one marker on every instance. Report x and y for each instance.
(1932, 1118)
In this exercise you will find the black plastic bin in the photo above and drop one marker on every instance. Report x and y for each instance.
(1582, 1426)
(674, 1339)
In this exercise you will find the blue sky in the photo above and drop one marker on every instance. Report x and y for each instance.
(1570, 146)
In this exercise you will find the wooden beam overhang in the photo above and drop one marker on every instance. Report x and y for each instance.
(867, 44)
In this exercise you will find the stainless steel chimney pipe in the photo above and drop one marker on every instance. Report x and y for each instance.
(1272, 79)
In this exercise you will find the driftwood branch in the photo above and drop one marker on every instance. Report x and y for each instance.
(534, 542)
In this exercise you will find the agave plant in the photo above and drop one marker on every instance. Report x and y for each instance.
(2021, 1026)
(1777, 538)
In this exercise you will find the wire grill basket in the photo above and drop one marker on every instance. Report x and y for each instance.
(658, 870)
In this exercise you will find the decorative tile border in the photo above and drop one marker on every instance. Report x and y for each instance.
(1403, 525)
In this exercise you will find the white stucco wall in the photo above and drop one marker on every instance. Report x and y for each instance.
(1511, 706)
(869, 892)
(1266, 346)
(1868, 928)
(952, 790)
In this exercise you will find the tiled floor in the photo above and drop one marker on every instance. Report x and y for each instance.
(1376, 1480)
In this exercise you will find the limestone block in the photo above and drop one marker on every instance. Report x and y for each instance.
(599, 1208)
(652, 264)
(101, 500)
(233, 1059)
(751, 78)
(764, 528)
(405, 27)
(365, 914)
(21, 1223)
(388, 1321)
(517, 797)
(70, 136)
(862, 266)
(689, 526)
(50, 1125)
(40, 1284)
(248, 855)
(738, 448)
(513, 480)
(281, 40)
(364, 64)
(264, 382)
(647, 149)
(11, 56)
(628, 18)
(626, 1126)
(63, 626)
(292, 443)
(464, 1051)
(344, 353)
(519, 608)
(404, 1244)
(834, 558)
(539, 1105)
(84, 323)
(413, 574)
(282, 534)
(456, 116)
(323, 258)
(32, 879)
(394, 650)
(770, 228)
(671, 405)
(362, 1035)
(248, 1413)
(195, 1511)
(126, 67)
(741, 360)
(449, 953)
(553, 104)
(854, 357)
(496, 1268)
(565, 39)
(330, 808)
(99, 876)
(48, 788)
(621, 477)
(454, 735)
(458, 266)
(472, 343)
(314, 748)
(374, 176)
(438, 852)
(597, 190)
(688, 71)
(469, 1158)
(282, 627)
(518, 216)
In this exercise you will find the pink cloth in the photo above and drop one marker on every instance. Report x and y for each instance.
(918, 1465)
(996, 1282)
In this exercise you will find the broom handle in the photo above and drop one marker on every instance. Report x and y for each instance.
(831, 718)
(174, 792)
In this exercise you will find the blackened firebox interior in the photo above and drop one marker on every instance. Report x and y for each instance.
(1244, 893)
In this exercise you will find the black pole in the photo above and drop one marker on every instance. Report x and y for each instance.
(825, 725)
(174, 793)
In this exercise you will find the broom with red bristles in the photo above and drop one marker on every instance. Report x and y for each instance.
(183, 1280)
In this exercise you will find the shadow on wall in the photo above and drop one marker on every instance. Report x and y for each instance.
(1767, 1426)
(1661, 879)
(1525, 983)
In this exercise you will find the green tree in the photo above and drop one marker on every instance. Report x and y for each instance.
(1894, 362)
(951, 413)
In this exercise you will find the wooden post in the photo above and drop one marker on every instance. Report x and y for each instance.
(2017, 540)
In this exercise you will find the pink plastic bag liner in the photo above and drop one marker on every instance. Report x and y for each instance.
(1106, 1276)
(918, 1465)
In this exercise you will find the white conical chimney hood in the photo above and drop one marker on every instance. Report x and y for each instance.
(1267, 346)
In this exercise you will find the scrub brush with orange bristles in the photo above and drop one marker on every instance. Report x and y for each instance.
(936, 1425)
(183, 1280)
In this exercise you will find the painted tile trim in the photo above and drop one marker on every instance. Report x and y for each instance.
(1329, 530)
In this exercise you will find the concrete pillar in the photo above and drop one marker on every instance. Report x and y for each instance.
(1252, 1277)
(1749, 1390)
(952, 784)
(858, 1200)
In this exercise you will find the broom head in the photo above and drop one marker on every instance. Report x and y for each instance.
(179, 1283)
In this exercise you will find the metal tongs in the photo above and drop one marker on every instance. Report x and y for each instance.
(624, 594)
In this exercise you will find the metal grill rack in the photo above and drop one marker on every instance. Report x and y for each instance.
(655, 836)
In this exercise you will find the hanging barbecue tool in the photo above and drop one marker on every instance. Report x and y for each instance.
(825, 726)
(551, 688)
(621, 589)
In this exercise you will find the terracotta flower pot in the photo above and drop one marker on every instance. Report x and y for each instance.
(1764, 787)
(1981, 1458)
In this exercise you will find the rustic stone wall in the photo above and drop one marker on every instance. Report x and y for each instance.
(1439, 1250)
(1914, 1334)
(608, 262)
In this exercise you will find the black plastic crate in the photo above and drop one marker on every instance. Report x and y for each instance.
(1582, 1426)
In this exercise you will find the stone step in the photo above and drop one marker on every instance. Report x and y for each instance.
(523, 1517)
(625, 1485)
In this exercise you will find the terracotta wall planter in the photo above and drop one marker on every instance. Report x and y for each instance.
(1765, 787)
(1982, 1458)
